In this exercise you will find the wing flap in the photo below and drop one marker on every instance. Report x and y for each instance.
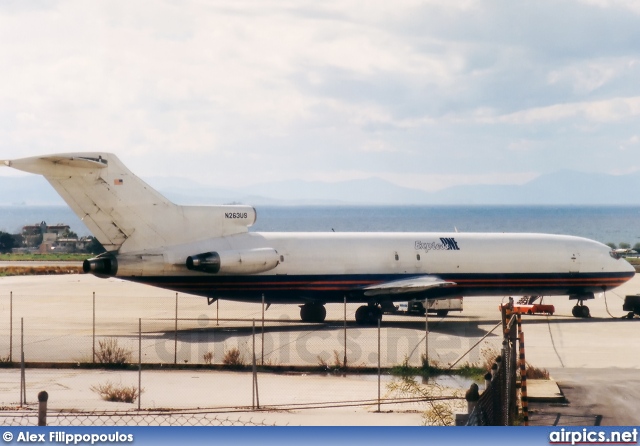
(412, 285)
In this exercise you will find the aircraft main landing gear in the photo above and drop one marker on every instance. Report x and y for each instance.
(312, 312)
(368, 314)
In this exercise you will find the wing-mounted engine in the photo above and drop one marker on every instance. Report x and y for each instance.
(249, 261)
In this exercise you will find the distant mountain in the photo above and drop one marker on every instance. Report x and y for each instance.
(565, 187)
(31, 190)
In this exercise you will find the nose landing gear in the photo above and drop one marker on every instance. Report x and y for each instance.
(580, 309)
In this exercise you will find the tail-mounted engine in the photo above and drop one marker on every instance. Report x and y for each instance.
(250, 261)
(101, 266)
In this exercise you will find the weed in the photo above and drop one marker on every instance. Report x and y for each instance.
(337, 366)
(489, 355)
(110, 353)
(404, 369)
(472, 371)
(118, 393)
(233, 358)
(208, 358)
(536, 373)
(439, 411)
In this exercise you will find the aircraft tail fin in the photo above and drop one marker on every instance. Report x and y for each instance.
(123, 212)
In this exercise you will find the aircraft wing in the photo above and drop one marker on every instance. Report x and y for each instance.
(412, 285)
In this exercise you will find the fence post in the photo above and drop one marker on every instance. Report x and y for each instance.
(93, 356)
(255, 401)
(513, 366)
(11, 326)
(175, 340)
(523, 382)
(42, 408)
(487, 380)
(344, 361)
(472, 396)
(262, 339)
(426, 334)
(139, 362)
(23, 378)
(379, 372)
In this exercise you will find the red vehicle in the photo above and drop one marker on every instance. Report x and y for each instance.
(531, 308)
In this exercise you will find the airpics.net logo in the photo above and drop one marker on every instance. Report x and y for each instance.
(446, 244)
(588, 436)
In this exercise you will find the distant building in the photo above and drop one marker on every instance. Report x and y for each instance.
(48, 237)
(43, 228)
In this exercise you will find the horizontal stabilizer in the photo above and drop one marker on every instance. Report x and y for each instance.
(412, 285)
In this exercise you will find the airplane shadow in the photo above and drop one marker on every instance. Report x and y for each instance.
(449, 326)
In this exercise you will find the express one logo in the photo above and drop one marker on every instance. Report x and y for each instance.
(446, 244)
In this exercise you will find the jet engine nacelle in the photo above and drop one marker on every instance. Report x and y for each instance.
(106, 266)
(250, 261)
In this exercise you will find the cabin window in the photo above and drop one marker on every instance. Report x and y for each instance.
(281, 259)
(397, 256)
(417, 256)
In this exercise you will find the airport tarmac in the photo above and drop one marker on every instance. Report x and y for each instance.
(58, 313)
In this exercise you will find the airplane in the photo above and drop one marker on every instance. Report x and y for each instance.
(209, 251)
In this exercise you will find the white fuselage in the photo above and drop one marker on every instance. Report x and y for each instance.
(327, 266)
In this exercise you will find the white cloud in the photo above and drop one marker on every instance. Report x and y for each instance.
(587, 76)
(610, 110)
(630, 5)
(284, 89)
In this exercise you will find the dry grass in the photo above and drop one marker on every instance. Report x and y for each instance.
(110, 353)
(233, 358)
(39, 270)
(117, 393)
(536, 373)
(489, 355)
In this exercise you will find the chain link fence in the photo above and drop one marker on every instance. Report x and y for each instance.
(34, 325)
(180, 331)
(497, 405)
(29, 418)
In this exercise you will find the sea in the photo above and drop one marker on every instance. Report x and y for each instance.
(607, 224)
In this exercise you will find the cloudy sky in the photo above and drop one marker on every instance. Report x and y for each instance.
(426, 94)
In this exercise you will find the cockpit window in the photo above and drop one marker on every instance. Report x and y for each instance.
(615, 255)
